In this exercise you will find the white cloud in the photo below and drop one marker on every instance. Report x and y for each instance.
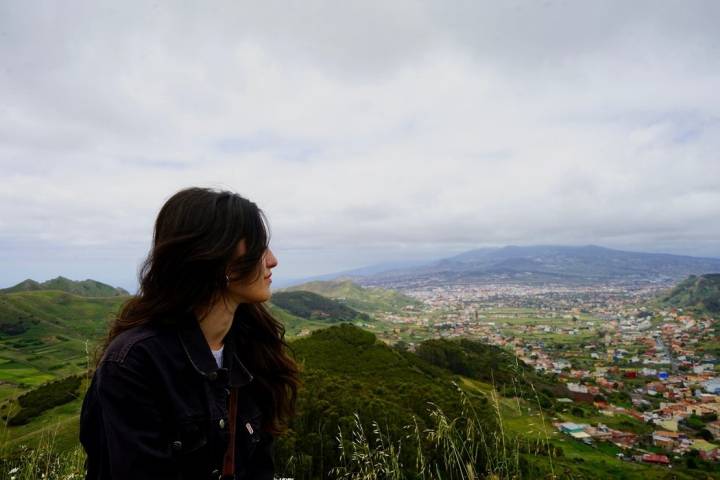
(367, 131)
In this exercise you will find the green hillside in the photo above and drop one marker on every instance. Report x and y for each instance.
(312, 306)
(365, 299)
(295, 325)
(46, 335)
(85, 288)
(347, 370)
(489, 364)
(696, 292)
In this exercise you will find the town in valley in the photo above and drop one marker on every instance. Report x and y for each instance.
(641, 377)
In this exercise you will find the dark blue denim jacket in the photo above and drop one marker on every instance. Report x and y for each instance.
(157, 408)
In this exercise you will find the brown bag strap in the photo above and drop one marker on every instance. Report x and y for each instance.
(229, 461)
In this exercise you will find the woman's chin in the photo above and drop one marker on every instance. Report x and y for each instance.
(263, 297)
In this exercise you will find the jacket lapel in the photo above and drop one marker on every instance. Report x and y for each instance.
(201, 358)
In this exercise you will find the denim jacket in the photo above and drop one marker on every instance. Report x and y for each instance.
(157, 408)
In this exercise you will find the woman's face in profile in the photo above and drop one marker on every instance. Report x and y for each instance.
(258, 290)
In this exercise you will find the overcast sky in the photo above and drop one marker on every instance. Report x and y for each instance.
(367, 131)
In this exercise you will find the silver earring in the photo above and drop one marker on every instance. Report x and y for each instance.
(227, 279)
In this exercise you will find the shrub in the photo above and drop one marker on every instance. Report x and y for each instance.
(49, 395)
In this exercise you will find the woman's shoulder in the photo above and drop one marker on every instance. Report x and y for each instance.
(126, 342)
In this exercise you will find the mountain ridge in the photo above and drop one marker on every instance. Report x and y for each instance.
(549, 263)
(83, 288)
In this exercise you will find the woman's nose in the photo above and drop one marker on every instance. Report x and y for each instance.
(270, 259)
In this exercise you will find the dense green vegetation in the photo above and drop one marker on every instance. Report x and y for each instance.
(697, 292)
(369, 300)
(489, 364)
(316, 307)
(348, 371)
(48, 395)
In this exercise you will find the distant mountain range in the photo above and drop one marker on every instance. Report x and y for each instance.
(84, 288)
(547, 264)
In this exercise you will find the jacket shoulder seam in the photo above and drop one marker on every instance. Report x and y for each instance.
(120, 355)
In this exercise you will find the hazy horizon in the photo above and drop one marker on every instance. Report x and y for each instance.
(284, 281)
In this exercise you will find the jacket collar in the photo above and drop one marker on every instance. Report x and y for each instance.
(201, 358)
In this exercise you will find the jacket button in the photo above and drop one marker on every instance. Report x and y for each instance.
(222, 423)
(212, 376)
(177, 445)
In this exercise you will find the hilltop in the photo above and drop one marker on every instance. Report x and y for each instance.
(312, 306)
(365, 299)
(697, 292)
(85, 288)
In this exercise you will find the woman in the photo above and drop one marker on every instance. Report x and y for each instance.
(194, 378)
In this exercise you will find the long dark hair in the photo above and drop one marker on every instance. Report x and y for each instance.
(194, 244)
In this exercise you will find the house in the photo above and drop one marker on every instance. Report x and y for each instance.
(623, 439)
(656, 459)
(712, 386)
(710, 456)
(570, 428)
(577, 387)
(600, 432)
(664, 439)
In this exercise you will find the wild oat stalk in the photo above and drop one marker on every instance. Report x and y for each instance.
(544, 428)
(44, 462)
(366, 462)
(465, 448)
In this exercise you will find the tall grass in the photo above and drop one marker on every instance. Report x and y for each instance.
(44, 462)
(462, 448)
(470, 446)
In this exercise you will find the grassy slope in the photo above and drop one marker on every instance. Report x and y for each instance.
(313, 306)
(369, 300)
(701, 293)
(59, 330)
